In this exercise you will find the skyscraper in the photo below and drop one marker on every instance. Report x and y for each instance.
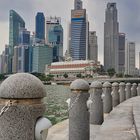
(111, 39)
(121, 57)
(54, 37)
(78, 5)
(24, 37)
(79, 32)
(42, 55)
(93, 46)
(15, 23)
(40, 27)
(130, 58)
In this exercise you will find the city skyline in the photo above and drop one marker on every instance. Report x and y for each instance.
(129, 23)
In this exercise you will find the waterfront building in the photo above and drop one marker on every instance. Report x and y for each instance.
(15, 24)
(40, 27)
(93, 46)
(54, 37)
(79, 29)
(130, 58)
(121, 57)
(72, 68)
(24, 36)
(111, 37)
(42, 56)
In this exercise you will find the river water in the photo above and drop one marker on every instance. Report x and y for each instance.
(56, 102)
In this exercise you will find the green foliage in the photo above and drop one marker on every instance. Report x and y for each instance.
(65, 75)
(119, 75)
(43, 77)
(111, 72)
(2, 77)
(79, 75)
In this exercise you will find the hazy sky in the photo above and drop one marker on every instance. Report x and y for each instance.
(128, 15)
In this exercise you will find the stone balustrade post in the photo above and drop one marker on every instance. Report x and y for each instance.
(138, 90)
(96, 108)
(122, 92)
(134, 90)
(107, 98)
(21, 97)
(115, 94)
(128, 91)
(79, 128)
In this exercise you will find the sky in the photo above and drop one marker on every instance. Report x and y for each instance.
(128, 17)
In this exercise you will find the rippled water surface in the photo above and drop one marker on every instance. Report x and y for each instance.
(56, 102)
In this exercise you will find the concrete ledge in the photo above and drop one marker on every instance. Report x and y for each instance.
(123, 122)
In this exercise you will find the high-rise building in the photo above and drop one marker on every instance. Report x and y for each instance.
(111, 37)
(93, 46)
(24, 37)
(78, 4)
(121, 57)
(42, 55)
(40, 27)
(130, 58)
(15, 24)
(54, 37)
(79, 32)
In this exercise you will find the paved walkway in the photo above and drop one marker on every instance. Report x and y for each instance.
(60, 131)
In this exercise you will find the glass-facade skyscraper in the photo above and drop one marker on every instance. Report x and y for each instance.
(111, 37)
(54, 37)
(40, 27)
(79, 32)
(15, 23)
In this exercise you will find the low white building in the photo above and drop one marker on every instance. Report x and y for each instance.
(72, 68)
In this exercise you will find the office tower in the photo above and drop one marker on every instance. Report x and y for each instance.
(93, 46)
(111, 39)
(130, 58)
(15, 23)
(79, 33)
(24, 37)
(42, 55)
(40, 27)
(54, 37)
(121, 56)
(78, 5)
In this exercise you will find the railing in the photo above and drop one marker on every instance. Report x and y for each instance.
(22, 109)
(103, 97)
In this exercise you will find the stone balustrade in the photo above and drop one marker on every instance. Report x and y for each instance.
(105, 97)
(21, 95)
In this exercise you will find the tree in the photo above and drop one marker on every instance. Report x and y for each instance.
(65, 75)
(111, 72)
(79, 75)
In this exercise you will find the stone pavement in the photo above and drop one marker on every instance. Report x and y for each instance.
(60, 131)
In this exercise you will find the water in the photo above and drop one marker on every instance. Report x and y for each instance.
(56, 102)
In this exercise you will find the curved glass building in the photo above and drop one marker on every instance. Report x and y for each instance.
(15, 24)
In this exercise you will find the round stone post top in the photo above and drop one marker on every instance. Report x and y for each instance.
(107, 85)
(79, 84)
(22, 85)
(122, 84)
(128, 84)
(115, 84)
(96, 84)
(134, 84)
